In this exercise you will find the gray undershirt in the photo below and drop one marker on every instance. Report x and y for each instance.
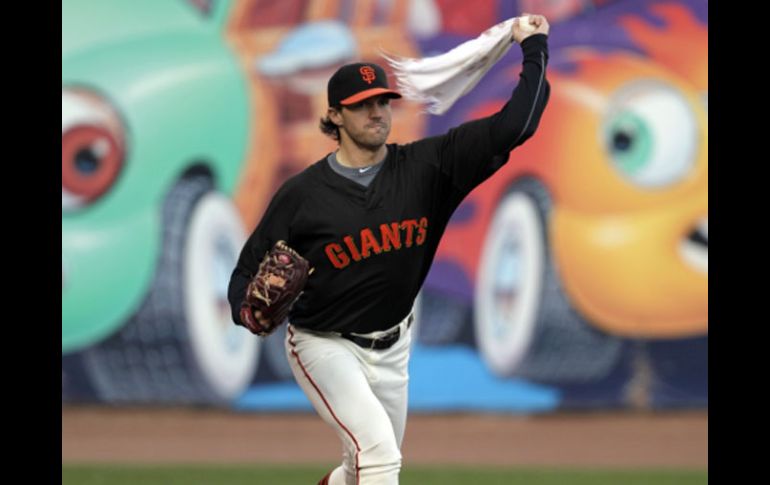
(363, 176)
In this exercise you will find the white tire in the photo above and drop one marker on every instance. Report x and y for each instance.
(525, 324)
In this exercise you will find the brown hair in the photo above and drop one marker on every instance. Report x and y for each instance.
(328, 127)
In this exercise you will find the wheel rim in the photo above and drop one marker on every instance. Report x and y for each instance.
(509, 283)
(506, 283)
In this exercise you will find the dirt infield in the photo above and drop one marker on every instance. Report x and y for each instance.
(618, 440)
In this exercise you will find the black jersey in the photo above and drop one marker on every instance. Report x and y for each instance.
(372, 247)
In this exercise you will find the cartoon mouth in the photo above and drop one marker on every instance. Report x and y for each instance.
(695, 248)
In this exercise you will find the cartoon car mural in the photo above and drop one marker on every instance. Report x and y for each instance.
(180, 119)
(154, 126)
(178, 123)
(597, 228)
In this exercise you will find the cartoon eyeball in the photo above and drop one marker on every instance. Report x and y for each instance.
(93, 147)
(651, 133)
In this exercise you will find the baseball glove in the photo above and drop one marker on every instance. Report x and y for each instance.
(273, 290)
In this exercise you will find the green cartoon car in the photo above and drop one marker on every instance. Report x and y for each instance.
(154, 132)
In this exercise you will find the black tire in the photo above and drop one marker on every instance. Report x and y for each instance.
(173, 350)
(444, 320)
(539, 335)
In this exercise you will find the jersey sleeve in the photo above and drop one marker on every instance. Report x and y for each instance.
(274, 226)
(470, 153)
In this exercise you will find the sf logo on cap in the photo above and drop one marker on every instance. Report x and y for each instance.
(367, 74)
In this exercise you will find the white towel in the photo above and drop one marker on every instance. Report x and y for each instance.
(440, 80)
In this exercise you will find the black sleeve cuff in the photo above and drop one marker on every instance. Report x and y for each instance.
(535, 44)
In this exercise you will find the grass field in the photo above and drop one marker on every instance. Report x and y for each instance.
(412, 475)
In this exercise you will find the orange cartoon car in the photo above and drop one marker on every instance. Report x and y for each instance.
(597, 227)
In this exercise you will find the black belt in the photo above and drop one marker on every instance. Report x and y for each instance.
(381, 343)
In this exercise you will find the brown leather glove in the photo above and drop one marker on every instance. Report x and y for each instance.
(273, 290)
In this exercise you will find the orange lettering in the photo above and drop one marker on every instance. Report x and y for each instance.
(337, 256)
(390, 235)
(422, 232)
(416, 232)
(409, 225)
(368, 241)
(353, 249)
(368, 74)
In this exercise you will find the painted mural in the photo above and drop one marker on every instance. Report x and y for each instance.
(576, 277)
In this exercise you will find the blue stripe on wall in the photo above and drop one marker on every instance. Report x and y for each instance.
(450, 378)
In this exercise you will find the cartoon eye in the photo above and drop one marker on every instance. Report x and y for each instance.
(651, 134)
(92, 147)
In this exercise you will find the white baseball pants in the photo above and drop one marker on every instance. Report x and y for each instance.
(360, 393)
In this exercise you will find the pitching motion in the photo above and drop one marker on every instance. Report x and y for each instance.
(369, 218)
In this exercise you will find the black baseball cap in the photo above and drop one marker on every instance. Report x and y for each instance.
(355, 82)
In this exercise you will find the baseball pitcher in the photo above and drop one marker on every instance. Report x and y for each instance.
(344, 246)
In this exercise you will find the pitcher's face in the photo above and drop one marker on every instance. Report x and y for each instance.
(366, 123)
